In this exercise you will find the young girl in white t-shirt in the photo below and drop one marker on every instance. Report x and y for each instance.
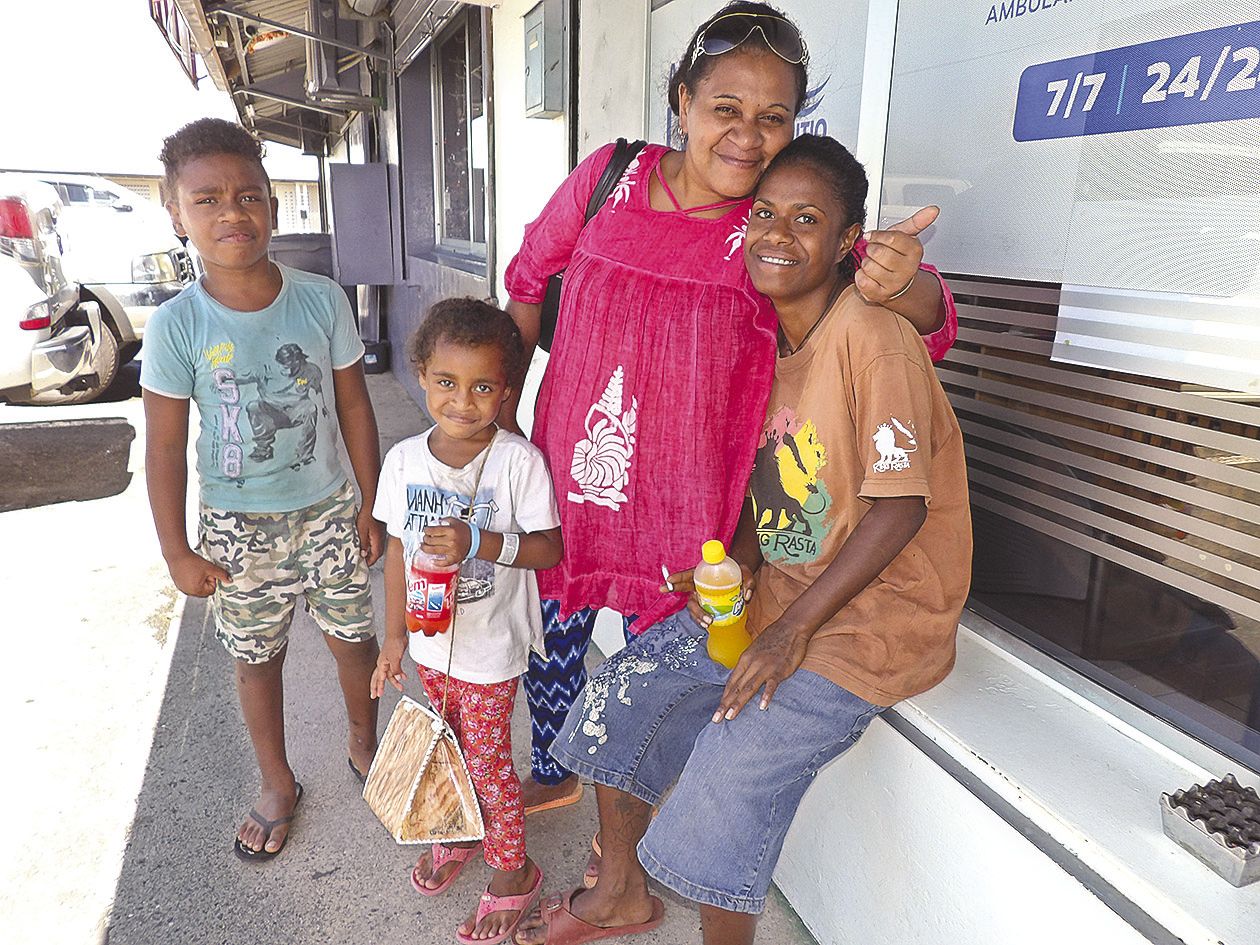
(470, 357)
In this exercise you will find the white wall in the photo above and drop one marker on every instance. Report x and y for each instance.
(531, 154)
(887, 849)
(612, 70)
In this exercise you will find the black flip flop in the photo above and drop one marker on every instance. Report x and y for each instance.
(257, 856)
(357, 773)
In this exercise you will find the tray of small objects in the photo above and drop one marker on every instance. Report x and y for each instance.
(1219, 823)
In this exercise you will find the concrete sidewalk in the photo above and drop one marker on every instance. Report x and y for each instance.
(341, 878)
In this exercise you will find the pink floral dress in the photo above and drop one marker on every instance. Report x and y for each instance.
(655, 393)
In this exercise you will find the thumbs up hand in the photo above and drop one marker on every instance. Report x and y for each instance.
(893, 257)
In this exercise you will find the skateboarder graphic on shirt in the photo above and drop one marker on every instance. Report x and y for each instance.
(286, 403)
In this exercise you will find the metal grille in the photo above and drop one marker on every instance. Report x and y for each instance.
(184, 266)
(1159, 476)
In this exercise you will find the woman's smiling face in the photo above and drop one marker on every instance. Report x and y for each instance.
(797, 234)
(736, 119)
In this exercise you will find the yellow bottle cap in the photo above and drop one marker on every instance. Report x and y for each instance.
(714, 552)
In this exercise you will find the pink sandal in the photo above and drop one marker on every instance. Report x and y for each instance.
(491, 903)
(442, 854)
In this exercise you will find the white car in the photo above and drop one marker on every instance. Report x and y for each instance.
(122, 250)
(53, 348)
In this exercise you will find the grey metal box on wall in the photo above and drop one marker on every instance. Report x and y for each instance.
(363, 251)
(545, 42)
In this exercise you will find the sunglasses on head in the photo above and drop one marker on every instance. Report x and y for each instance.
(731, 30)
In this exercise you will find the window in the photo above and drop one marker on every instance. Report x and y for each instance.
(461, 138)
(73, 193)
(1117, 517)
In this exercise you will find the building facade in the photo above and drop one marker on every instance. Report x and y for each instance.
(1099, 188)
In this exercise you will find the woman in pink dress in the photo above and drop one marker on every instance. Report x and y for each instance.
(655, 391)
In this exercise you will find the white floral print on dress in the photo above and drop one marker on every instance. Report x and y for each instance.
(622, 190)
(736, 240)
(601, 461)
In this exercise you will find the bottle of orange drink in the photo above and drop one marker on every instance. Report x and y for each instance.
(720, 586)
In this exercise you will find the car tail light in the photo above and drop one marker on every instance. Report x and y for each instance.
(15, 222)
(17, 234)
(38, 316)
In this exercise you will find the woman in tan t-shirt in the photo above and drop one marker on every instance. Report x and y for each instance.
(856, 535)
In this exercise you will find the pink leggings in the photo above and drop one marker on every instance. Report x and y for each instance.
(481, 715)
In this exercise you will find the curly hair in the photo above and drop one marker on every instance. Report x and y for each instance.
(470, 323)
(689, 74)
(203, 137)
(836, 166)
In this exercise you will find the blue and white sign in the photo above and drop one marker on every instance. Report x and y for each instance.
(1095, 143)
(1182, 80)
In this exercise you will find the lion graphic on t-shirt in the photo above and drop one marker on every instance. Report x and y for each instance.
(786, 470)
(891, 456)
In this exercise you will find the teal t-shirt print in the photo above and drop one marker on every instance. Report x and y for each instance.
(263, 385)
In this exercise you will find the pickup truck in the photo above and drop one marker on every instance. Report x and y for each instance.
(121, 250)
(54, 347)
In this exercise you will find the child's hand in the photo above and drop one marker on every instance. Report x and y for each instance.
(371, 536)
(388, 667)
(195, 576)
(449, 541)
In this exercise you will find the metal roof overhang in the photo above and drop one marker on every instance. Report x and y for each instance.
(289, 82)
(292, 82)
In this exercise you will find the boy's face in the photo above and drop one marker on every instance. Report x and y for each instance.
(223, 204)
(465, 387)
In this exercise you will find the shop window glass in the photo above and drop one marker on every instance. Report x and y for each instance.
(1117, 517)
(461, 132)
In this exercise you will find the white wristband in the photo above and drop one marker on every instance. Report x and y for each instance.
(511, 545)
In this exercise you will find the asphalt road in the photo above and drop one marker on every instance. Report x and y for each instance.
(131, 765)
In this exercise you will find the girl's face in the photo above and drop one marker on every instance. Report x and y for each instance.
(737, 119)
(464, 388)
(796, 235)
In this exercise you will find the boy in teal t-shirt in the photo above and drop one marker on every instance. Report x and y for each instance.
(272, 358)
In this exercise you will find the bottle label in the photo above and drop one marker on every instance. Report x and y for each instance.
(725, 607)
(429, 593)
(437, 595)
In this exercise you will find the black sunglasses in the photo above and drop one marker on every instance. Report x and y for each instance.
(731, 30)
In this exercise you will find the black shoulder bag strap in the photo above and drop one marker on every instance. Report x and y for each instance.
(623, 154)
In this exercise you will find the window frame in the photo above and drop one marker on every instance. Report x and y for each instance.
(463, 250)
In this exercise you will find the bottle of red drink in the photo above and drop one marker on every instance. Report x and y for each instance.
(431, 588)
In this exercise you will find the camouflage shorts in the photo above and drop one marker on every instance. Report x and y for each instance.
(275, 558)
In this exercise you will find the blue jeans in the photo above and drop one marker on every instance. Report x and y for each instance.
(643, 723)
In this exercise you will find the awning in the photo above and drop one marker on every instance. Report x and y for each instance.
(298, 71)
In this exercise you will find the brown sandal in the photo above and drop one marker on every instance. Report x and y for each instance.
(564, 928)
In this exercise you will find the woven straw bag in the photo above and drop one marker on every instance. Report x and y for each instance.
(418, 785)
